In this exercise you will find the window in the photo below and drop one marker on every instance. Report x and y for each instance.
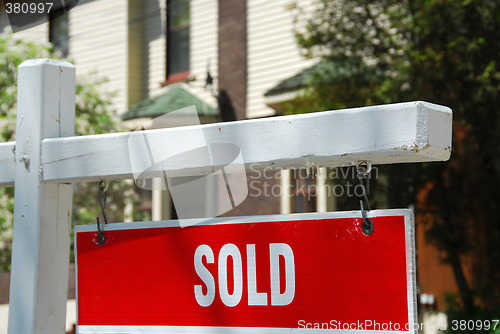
(59, 31)
(177, 40)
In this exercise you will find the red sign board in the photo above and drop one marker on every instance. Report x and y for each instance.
(249, 275)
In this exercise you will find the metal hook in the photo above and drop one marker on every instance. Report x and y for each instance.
(367, 225)
(363, 169)
(102, 202)
(312, 172)
(101, 237)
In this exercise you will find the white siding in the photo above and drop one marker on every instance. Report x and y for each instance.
(125, 41)
(203, 46)
(154, 46)
(273, 54)
(98, 42)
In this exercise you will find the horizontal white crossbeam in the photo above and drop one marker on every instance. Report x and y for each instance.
(7, 164)
(395, 133)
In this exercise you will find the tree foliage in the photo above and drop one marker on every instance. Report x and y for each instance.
(363, 50)
(442, 51)
(456, 64)
(94, 115)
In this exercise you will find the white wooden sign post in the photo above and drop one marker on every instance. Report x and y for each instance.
(42, 210)
(47, 158)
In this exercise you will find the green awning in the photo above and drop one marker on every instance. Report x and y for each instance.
(176, 98)
(293, 83)
(334, 70)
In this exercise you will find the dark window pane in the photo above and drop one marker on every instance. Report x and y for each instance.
(178, 50)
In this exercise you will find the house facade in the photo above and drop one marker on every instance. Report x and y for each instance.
(246, 46)
(221, 56)
(225, 53)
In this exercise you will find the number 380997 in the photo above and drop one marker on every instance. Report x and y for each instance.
(474, 324)
(28, 8)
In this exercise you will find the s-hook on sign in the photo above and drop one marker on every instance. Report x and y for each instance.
(260, 274)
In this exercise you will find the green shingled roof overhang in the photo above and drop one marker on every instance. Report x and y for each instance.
(291, 84)
(176, 98)
(296, 82)
(331, 71)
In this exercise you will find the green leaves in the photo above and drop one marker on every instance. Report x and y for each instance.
(442, 51)
(94, 115)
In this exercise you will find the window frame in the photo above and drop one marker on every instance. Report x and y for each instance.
(172, 77)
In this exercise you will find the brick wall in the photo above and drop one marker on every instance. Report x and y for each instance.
(232, 83)
(232, 57)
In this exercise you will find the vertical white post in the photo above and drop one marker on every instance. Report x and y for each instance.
(156, 200)
(285, 191)
(42, 211)
(321, 194)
